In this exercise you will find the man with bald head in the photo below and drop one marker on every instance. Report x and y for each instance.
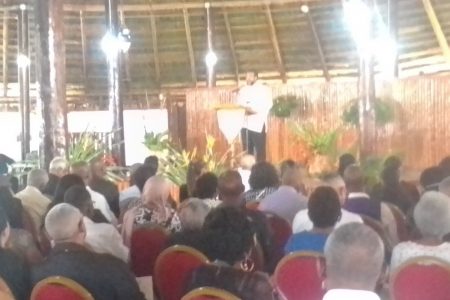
(100, 184)
(33, 201)
(59, 167)
(104, 276)
(354, 255)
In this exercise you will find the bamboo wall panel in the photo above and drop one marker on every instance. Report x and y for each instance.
(420, 132)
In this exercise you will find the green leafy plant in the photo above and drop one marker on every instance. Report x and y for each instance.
(384, 113)
(320, 142)
(175, 162)
(284, 105)
(86, 147)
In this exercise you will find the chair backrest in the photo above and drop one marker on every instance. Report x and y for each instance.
(421, 278)
(173, 270)
(209, 293)
(281, 232)
(379, 228)
(299, 276)
(5, 292)
(146, 244)
(57, 288)
(401, 222)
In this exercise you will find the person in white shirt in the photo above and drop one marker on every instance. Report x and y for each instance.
(302, 221)
(245, 169)
(354, 255)
(82, 169)
(100, 237)
(132, 191)
(33, 201)
(257, 99)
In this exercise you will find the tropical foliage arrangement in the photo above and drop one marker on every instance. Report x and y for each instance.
(284, 105)
(384, 112)
(175, 162)
(86, 147)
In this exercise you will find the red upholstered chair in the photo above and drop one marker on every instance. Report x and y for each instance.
(173, 270)
(281, 232)
(208, 293)
(299, 276)
(57, 288)
(421, 278)
(146, 245)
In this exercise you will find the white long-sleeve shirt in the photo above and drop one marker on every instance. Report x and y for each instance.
(258, 97)
(102, 205)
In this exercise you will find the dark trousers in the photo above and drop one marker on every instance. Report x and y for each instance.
(254, 143)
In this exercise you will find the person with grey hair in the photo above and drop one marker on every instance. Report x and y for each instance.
(432, 218)
(32, 197)
(444, 186)
(59, 167)
(354, 255)
(104, 276)
(288, 199)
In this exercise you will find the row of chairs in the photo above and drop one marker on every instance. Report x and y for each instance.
(297, 276)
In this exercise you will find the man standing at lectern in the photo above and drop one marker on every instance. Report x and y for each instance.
(256, 97)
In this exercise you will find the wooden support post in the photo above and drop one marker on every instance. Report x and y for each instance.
(155, 48)
(5, 52)
(275, 43)
(51, 78)
(318, 42)
(439, 33)
(23, 74)
(114, 84)
(231, 43)
(393, 29)
(190, 46)
(83, 51)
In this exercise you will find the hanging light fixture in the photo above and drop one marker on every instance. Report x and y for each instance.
(211, 57)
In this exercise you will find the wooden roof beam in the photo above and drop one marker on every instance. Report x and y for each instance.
(318, 42)
(5, 52)
(183, 5)
(275, 43)
(155, 48)
(190, 46)
(440, 36)
(232, 46)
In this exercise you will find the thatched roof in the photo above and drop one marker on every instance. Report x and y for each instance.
(169, 42)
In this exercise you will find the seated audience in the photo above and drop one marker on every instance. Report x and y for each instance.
(432, 218)
(132, 191)
(154, 209)
(58, 168)
(10, 205)
(263, 182)
(100, 237)
(82, 169)
(324, 210)
(430, 178)
(152, 162)
(192, 214)
(229, 239)
(33, 201)
(245, 167)
(206, 189)
(139, 178)
(23, 243)
(103, 275)
(345, 160)
(100, 184)
(195, 169)
(354, 255)
(13, 269)
(359, 202)
(391, 190)
(302, 221)
(231, 189)
(288, 200)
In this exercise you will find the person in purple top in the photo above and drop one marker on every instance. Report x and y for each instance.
(324, 210)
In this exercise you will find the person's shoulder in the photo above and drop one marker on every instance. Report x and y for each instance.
(350, 216)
